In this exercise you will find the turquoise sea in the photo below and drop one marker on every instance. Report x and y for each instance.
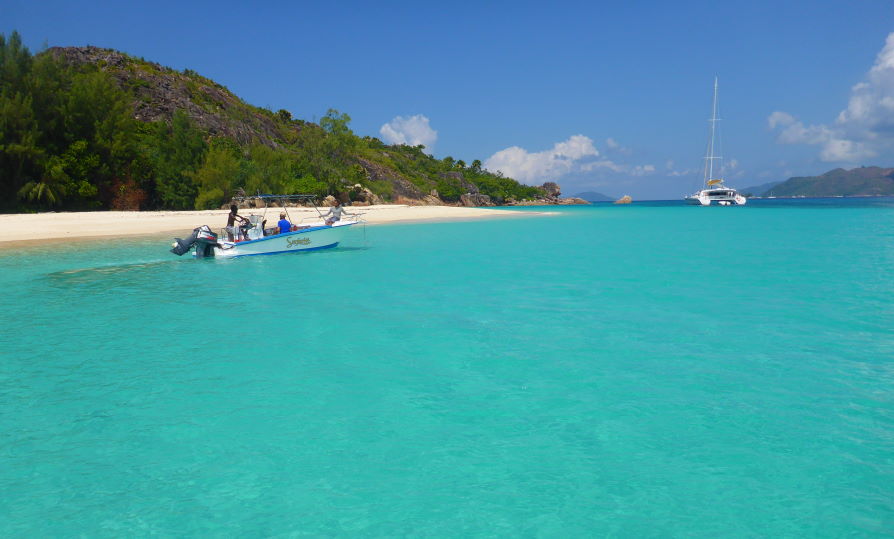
(653, 370)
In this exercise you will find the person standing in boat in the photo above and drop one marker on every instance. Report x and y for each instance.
(233, 216)
(336, 212)
(283, 224)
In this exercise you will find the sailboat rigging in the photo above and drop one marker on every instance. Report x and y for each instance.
(714, 190)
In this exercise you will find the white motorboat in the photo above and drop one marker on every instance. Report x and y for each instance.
(714, 191)
(252, 238)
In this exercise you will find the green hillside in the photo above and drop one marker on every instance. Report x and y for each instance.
(863, 181)
(86, 128)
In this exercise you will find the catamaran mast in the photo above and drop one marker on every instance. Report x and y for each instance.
(709, 165)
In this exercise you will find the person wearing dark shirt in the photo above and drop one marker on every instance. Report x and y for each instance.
(283, 224)
(231, 223)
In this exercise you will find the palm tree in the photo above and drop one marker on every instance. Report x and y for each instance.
(51, 187)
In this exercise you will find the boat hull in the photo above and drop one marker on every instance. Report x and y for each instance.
(696, 200)
(706, 199)
(309, 239)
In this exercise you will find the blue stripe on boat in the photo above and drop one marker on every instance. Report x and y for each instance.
(306, 230)
(289, 251)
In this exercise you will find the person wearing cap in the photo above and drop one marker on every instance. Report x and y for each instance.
(283, 224)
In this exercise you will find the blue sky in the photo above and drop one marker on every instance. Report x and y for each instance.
(605, 96)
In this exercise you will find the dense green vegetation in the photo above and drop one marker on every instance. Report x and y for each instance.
(69, 140)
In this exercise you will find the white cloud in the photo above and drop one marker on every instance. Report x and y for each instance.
(670, 169)
(605, 164)
(732, 169)
(602, 164)
(834, 147)
(614, 146)
(574, 157)
(779, 118)
(411, 130)
(536, 167)
(864, 129)
(642, 170)
(791, 131)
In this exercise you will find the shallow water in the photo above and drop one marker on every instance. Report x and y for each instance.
(650, 370)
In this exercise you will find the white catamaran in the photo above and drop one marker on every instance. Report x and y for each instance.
(714, 191)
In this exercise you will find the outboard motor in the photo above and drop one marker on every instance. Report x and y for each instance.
(203, 238)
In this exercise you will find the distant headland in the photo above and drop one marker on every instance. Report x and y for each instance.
(857, 182)
(594, 196)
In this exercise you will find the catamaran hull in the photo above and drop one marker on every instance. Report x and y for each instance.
(698, 201)
(310, 239)
(703, 200)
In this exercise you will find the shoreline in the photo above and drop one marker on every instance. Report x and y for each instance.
(29, 229)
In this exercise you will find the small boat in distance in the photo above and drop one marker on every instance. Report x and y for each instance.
(714, 191)
(253, 238)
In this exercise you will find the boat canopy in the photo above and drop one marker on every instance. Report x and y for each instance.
(292, 198)
(282, 199)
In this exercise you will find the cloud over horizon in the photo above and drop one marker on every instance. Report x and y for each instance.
(864, 129)
(548, 165)
(615, 146)
(576, 155)
(411, 130)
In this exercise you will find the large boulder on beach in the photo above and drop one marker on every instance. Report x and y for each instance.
(473, 200)
(432, 200)
(571, 201)
(360, 194)
(551, 189)
(534, 202)
(469, 187)
(626, 199)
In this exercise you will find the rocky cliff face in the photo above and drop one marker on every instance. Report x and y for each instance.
(160, 91)
(552, 193)
(402, 187)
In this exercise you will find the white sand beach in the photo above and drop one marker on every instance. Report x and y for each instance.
(48, 227)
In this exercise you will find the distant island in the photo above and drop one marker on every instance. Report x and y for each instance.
(857, 182)
(593, 196)
(86, 128)
(758, 190)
